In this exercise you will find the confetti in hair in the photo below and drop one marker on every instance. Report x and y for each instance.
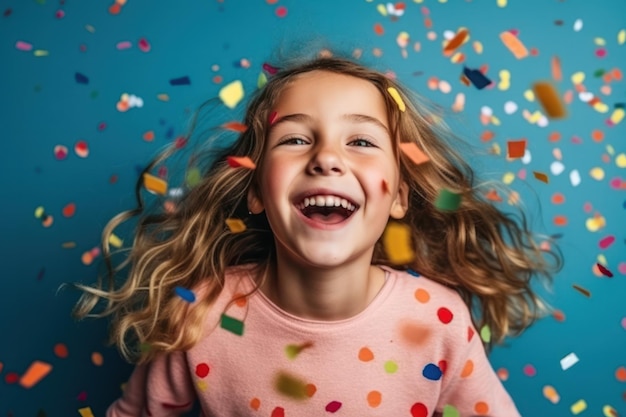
(397, 98)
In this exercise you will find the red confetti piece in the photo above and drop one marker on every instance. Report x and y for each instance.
(11, 378)
(81, 149)
(606, 242)
(60, 152)
(333, 406)
(144, 46)
(61, 350)
(445, 315)
(272, 118)
(69, 210)
(269, 69)
(240, 161)
(281, 11)
(604, 271)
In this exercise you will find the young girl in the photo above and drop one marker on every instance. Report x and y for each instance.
(358, 284)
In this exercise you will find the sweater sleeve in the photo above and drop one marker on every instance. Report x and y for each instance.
(473, 388)
(160, 388)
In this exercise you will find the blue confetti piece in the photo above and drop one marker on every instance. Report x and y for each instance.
(180, 81)
(169, 134)
(185, 294)
(414, 273)
(432, 372)
(477, 78)
(81, 79)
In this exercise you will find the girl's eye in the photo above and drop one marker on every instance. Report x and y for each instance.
(361, 142)
(293, 141)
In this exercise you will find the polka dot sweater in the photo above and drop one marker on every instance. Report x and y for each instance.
(412, 352)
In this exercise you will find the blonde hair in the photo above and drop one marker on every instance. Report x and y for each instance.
(488, 256)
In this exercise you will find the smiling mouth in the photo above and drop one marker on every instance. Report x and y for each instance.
(327, 209)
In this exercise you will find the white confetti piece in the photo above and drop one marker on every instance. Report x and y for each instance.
(557, 167)
(568, 361)
(510, 107)
(574, 177)
(527, 157)
(578, 25)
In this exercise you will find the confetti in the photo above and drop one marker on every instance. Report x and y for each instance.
(549, 99)
(555, 65)
(80, 78)
(398, 244)
(143, 44)
(185, 294)
(550, 393)
(85, 412)
(69, 210)
(23, 46)
(180, 81)
(397, 98)
(516, 148)
(292, 351)
(333, 406)
(231, 324)
(606, 242)
(81, 149)
(604, 271)
(514, 45)
(236, 225)
(231, 94)
(60, 350)
(35, 373)
(476, 77)
(529, 370)
(60, 152)
(458, 40)
(569, 361)
(540, 176)
(582, 290)
(240, 161)
(447, 200)
(578, 407)
(235, 127)
(414, 153)
(609, 411)
(485, 333)
(154, 184)
(115, 241)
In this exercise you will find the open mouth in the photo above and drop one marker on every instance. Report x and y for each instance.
(327, 209)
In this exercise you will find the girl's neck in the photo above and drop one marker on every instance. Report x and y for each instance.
(323, 294)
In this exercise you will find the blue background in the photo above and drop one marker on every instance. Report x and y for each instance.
(44, 106)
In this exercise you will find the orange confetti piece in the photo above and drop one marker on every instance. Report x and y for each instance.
(540, 176)
(557, 198)
(560, 220)
(555, 65)
(492, 195)
(365, 354)
(514, 45)
(85, 412)
(69, 210)
(414, 153)
(97, 359)
(516, 148)
(620, 374)
(236, 225)
(549, 99)
(582, 290)
(235, 127)
(456, 41)
(35, 373)
(255, 403)
(148, 136)
(554, 136)
(378, 29)
(154, 184)
(597, 135)
(240, 161)
(487, 135)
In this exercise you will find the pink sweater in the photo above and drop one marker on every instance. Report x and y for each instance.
(412, 352)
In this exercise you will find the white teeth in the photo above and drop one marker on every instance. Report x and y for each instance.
(327, 201)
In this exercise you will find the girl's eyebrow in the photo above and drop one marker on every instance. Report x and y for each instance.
(355, 118)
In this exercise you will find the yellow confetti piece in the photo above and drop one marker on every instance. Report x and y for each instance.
(85, 412)
(597, 173)
(599, 41)
(382, 9)
(397, 243)
(529, 95)
(478, 47)
(620, 161)
(508, 178)
(621, 36)
(154, 184)
(236, 225)
(35, 373)
(41, 52)
(550, 393)
(115, 241)
(602, 259)
(505, 80)
(609, 411)
(595, 223)
(617, 116)
(202, 385)
(231, 94)
(501, 3)
(578, 407)
(396, 97)
(494, 121)
(578, 77)
(39, 212)
(68, 245)
(601, 107)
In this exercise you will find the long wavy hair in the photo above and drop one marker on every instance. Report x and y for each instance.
(487, 255)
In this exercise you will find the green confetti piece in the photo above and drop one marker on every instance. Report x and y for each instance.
(261, 81)
(232, 324)
(291, 386)
(485, 334)
(193, 177)
(598, 73)
(450, 411)
(447, 200)
(391, 367)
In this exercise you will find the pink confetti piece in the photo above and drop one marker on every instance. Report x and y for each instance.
(143, 44)
(60, 152)
(123, 45)
(622, 268)
(529, 370)
(60, 14)
(606, 242)
(272, 118)
(618, 184)
(624, 323)
(270, 69)
(23, 46)
(281, 11)
(333, 406)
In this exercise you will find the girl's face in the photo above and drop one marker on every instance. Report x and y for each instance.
(329, 179)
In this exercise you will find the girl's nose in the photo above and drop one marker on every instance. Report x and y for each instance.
(326, 161)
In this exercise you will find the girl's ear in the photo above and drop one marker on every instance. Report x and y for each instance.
(255, 205)
(400, 205)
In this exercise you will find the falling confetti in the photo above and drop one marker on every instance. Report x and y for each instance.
(231, 94)
(35, 373)
(395, 95)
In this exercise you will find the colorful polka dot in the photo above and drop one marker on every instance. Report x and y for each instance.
(450, 411)
(481, 408)
(422, 295)
(443, 365)
(432, 372)
(374, 398)
(419, 410)
(202, 370)
(333, 406)
(445, 315)
(391, 367)
(255, 404)
(365, 354)
(468, 368)
(310, 390)
(278, 412)
(470, 333)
